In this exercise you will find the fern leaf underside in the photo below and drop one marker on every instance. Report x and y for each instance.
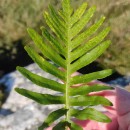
(70, 47)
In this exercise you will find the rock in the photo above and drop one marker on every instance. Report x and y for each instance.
(26, 118)
(121, 81)
(19, 112)
(15, 79)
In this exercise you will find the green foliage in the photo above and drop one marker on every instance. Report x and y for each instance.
(117, 13)
(17, 15)
(67, 48)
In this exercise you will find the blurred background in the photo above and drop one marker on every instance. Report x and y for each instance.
(17, 15)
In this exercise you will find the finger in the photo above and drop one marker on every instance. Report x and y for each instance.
(122, 101)
(124, 121)
(93, 125)
(123, 108)
(111, 96)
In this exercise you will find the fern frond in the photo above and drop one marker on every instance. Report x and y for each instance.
(66, 45)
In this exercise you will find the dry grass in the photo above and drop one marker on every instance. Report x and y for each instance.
(17, 15)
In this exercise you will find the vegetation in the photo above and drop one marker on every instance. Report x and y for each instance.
(64, 43)
(17, 15)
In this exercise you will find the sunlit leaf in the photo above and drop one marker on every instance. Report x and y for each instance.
(44, 64)
(52, 117)
(89, 101)
(81, 50)
(87, 33)
(81, 24)
(78, 13)
(90, 56)
(89, 113)
(75, 127)
(61, 125)
(67, 46)
(41, 81)
(45, 49)
(45, 99)
(91, 76)
(83, 90)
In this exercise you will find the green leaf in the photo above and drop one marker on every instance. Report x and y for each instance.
(41, 81)
(75, 127)
(90, 56)
(89, 101)
(53, 117)
(43, 64)
(59, 30)
(89, 45)
(78, 14)
(54, 42)
(82, 90)
(86, 34)
(90, 114)
(45, 99)
(57, 18)
(66, 8)
(61, 125)
(68, 45)
(46, 50)
(91, 76)
(81, 24)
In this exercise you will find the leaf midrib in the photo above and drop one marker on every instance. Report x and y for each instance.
(68, 75)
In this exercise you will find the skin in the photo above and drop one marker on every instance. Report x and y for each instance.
(119, 112)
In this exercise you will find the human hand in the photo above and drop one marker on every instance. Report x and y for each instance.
(119, 112)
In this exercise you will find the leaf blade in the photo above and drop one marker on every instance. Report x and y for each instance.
(41, 81)
(91, 30)
(61, 125)
(46, 50)
(89, 101)
(78, 14)
(81, 24)
(91, 76)
(81, 50)
(45, 99)
(83, 90)
(52, 117)
(90, 56)
(43, 64)
(59, 31)
(75, 126)
(91, 114)
(54, 42)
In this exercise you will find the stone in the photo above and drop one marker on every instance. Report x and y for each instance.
(16, 101)
(26, 118)
(19, 112)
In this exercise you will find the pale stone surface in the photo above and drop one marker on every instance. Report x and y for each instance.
(19, 112)
(15, 79)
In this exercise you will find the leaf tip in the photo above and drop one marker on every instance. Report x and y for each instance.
(94, 7)
(17, 90)
(18, 67)
(103, 17)
(29, 30)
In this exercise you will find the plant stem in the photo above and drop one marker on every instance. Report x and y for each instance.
(68, 75)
